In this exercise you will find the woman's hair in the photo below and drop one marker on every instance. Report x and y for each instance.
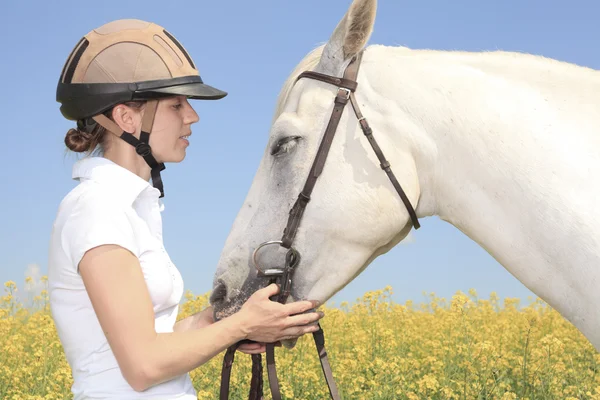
(80, 140)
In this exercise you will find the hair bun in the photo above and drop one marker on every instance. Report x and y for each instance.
(78, 141)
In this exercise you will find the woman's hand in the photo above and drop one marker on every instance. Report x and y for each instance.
(255, 348)
(265, 321)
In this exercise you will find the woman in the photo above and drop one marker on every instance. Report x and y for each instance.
(114, 292)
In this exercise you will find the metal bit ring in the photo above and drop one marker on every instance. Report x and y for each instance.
(267, 272)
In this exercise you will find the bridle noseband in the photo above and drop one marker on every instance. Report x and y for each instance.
(346, 88)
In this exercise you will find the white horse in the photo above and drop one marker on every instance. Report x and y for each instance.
(504, 146)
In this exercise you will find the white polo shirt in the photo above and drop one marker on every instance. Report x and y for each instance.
(110, 205)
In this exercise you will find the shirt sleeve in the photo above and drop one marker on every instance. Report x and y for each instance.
(95, 223)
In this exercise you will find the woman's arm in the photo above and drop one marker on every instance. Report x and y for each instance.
(195, 321)
(204, 318)
(116, 287)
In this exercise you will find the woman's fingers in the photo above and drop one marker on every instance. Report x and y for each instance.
(268, 291)
(297, 331)
(252, 348)
(256, 348)
(254, 351)
(298, 307)
(304, 319)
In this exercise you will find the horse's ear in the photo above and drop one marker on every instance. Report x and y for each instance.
(349, 37)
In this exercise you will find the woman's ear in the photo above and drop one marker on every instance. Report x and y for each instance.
(128, 119)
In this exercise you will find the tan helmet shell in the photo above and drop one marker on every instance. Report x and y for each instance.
(124, 60)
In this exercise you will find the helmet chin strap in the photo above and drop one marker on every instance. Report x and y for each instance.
(142, 146)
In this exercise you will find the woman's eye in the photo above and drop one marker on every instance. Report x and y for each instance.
(284, 145)
(177, 106)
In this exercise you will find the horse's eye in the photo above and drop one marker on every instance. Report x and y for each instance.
(284, 145)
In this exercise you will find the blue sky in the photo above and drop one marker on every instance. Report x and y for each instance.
(247, 49)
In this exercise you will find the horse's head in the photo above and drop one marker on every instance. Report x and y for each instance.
(354, 214)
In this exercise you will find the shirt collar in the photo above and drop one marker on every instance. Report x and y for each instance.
(125, 183)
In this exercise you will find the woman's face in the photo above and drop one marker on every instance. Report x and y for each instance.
(171, 130)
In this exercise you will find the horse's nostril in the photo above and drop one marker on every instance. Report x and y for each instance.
(219, 293)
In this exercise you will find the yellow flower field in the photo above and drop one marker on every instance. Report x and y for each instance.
(461, 348)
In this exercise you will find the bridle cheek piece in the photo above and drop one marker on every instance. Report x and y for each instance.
(346, 88)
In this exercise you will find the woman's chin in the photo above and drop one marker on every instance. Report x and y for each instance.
(177, 155)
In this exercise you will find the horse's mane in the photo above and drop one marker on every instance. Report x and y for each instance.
(519, 65)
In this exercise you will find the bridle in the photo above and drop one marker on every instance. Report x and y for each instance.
(346, 88)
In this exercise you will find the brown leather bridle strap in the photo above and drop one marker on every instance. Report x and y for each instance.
(346, 82)
(272, 372)
(297, 210)
(319, 339)
(226, 371)
(256, 383)
(385, 165)
(346, 87)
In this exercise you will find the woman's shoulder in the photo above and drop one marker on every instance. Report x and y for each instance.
(87, 208)
(89, 217)
(87, 200)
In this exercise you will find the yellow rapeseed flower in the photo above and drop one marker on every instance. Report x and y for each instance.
(465, 348)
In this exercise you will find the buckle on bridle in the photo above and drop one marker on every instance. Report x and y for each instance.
(346, 90)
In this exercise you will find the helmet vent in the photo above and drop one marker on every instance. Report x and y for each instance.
(69, 68)
(169, 49)
(180, 48)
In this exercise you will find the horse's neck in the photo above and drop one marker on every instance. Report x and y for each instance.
(508, 164)
(490, 149)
